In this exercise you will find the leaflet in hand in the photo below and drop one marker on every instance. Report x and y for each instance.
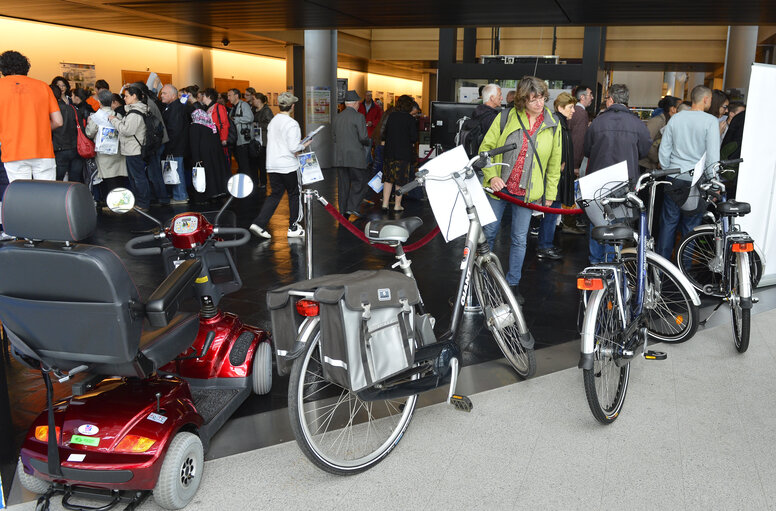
(312, 134)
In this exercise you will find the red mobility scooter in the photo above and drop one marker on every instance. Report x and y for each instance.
(153, 383)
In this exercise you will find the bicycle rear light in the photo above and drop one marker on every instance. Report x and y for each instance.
(589, 284)
(308, 308)
(743, 247)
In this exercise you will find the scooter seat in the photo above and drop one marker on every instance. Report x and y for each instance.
(391, 231)
(734, 208)
(616, 233)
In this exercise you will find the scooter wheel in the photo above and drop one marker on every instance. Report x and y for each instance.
(181, 472)
(262, 369)
(31, 483)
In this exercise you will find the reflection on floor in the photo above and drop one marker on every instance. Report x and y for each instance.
(551, 307)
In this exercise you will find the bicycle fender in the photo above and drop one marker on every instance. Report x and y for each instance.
(588, 331)
(669, 267)
(742, 265)
(306, 335)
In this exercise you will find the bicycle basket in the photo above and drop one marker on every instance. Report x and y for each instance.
(621, 212)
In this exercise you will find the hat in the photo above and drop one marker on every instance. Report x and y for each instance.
(287, 99)
(351, 95)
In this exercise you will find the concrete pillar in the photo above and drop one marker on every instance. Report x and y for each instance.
(670, 81)
(357, 81)
(320, 83)
(195, 67)
(740, 54)
(295, 79)
(681, 78)
(208, 75)
(694, 80)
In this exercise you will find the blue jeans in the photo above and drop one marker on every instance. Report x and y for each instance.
(521, 220)
(138, 181)
(156, 179)
(672, 217)
(599, 252)
(179, 191)
(547, 228)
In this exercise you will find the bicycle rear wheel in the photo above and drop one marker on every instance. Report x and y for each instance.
(336, 430)
(741, 316)
(671, 315)
(606, 383)
(694, 257)
(501, 317)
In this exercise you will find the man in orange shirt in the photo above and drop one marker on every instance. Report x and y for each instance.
(98, 86)
(28, 113)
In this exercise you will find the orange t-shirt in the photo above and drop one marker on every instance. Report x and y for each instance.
(25, 123)
(93, 102)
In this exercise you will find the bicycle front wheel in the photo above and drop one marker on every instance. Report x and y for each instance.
(606, 383)
(741, 316)
(336, 430)
(671, 315)
(695, 257)
(501, 312)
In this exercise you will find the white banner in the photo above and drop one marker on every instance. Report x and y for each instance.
(757, 173)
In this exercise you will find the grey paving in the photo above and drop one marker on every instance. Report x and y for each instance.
(698, 431)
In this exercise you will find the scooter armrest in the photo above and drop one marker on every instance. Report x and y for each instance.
(163, 303)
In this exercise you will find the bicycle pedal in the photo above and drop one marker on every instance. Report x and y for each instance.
(755, 299)
(655, 355)
(461, 403)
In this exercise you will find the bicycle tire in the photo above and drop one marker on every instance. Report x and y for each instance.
(671, 315)
(383, 422)
(694, 256)
(605, 403)
(496, 299)
(741, 317)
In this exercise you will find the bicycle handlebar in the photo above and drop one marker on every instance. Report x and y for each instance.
(664, 172)
(499, 150)
(730, 162)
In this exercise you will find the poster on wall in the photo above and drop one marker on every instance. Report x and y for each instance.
(318, 107)
(79, 75)
(342, 88)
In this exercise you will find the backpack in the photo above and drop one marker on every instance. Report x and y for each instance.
(470, 133)
(154, 135)
(231, 135)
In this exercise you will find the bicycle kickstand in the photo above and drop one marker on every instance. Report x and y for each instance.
(458, 401)
(703, 323)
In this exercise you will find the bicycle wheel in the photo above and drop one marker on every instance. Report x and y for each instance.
(741, 317)
(336, 430)
(670, 314)
(605, 383)
(694, 257)
(501, 317)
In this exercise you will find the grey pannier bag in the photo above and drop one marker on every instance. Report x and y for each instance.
(367, 327)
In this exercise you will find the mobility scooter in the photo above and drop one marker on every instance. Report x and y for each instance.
(153, 383)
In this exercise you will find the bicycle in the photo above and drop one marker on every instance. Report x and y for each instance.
(627, 296)
(720, 260)
(346, 432)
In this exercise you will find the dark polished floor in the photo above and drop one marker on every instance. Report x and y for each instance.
(549, 287)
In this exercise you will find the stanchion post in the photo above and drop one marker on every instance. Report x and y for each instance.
(308, 239)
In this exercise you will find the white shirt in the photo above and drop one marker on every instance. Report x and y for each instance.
(283, 142)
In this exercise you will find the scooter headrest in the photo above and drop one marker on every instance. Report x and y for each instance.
(48, 210)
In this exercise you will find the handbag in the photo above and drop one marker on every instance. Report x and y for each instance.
(170, 171)
(84, 145)
(198, 177)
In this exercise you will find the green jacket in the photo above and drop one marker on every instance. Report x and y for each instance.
(548, 145)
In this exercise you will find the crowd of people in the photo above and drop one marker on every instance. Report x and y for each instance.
(553, 145)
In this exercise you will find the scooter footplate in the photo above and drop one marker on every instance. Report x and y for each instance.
(211, 401)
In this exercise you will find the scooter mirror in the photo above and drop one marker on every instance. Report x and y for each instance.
(120, 200)
(240, 186)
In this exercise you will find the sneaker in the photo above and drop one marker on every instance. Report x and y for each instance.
(518, 296)
(6, 237)
(533, 231)
(179, 201)
(259, 232)
(295, 231)
(549, 253)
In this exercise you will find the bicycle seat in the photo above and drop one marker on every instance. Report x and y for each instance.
(616, 233)
(391, 231)
(734, 208)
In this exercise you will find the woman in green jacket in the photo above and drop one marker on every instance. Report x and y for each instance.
(529, 175)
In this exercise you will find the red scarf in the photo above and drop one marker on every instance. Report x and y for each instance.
(513, 183)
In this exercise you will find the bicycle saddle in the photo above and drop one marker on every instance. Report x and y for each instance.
(616, 233)
(734, 208)
(391, 231)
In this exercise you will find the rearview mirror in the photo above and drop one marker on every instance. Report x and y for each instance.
(240, 186)
(120, 200)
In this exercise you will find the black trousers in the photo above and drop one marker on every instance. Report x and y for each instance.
(351, 184)
(281, 183)
(242, 158)
(69, 163)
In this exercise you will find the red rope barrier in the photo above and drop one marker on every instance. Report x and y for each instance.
(536, 207)
(380, 246)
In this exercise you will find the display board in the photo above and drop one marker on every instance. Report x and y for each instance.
(142, 76)
(757, 173)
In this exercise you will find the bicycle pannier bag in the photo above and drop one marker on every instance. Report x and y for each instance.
(367, 328)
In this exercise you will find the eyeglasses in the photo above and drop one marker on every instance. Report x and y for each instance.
(538, 99)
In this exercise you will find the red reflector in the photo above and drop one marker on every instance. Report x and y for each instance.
(307, 308)
(589, 284)
(743, 247)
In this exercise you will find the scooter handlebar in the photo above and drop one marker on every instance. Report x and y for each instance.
(244, 234)
(140, 240)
